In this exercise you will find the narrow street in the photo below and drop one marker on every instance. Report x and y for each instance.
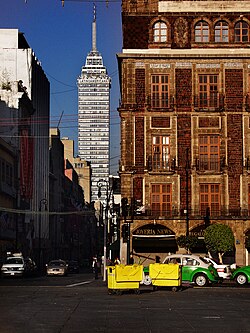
(78, 303)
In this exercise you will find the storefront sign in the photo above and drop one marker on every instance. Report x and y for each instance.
(153, 230)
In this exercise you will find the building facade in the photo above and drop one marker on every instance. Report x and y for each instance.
(93, 115)
(82, 168)
(185, 125)
(25, 128)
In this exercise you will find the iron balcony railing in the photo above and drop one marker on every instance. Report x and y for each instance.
(157, 162)
(214, 101)
(222, 213)
(155, 102)
(210, 164)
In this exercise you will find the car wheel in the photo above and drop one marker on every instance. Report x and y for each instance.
(241, 279)
(147, 280)
(201, 280)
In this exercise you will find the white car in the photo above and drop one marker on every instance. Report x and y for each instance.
(224, 271)
(194, 269)
(14, 265)
(57, 267)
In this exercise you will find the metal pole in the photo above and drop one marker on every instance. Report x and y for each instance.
(105, 236)
(42, 201)
(187, 201)
(128, 243)
(39, 236)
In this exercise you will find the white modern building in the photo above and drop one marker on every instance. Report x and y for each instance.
(94, 117)
(24, 125)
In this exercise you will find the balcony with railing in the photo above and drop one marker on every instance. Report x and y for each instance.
(159, 103)
(213, 102)
(215, 164)
(158, 163)
(174, 213)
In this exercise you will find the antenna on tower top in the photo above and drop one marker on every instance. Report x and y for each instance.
(94, 30)
(94, 12)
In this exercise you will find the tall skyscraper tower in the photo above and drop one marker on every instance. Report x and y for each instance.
(93, 116)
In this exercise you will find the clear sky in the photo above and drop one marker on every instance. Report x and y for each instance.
(61, 39)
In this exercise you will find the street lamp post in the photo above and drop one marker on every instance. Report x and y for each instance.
(100, 185)
(42, 202)
(187, 199)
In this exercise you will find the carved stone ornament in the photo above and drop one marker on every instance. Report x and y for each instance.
(181, 32)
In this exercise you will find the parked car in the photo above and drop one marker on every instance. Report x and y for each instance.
(73, 266)
(13, 266)
(194, 269)
(241, 275)
(16, 265)
(57, 267)
(224, 271)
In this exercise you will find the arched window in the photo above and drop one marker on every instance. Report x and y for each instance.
(241, 32)
(160, 32)
(201, 32)
(221, 32)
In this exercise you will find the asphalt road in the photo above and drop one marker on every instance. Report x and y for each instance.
(78, 303)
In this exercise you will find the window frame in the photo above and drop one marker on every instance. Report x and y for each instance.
(160, 91)
(162, 29)
(208, 90)
(161, 147)
(240, 29)
(221, 27)
(202, 32)
(207, 198)
(209, 152)
(161, 199)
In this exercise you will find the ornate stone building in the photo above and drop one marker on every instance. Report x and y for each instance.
(185, 124)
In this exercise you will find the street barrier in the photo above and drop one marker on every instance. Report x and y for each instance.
(124, 277)
(165, 275)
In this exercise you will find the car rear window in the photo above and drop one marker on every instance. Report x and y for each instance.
(172, 260)
(204, 260)
(14, 261)
(56, 263)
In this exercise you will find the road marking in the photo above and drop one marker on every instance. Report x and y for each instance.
(212, 317)
(78, 284)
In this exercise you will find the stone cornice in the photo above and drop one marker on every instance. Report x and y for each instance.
(218, 6)
(186, 53)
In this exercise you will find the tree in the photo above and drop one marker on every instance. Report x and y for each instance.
(219, 239)
(188, 242)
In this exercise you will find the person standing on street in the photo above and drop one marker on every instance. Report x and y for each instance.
(95, 267)
(131, 259)
(117, 261)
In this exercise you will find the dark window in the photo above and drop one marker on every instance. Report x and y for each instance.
(241, 32)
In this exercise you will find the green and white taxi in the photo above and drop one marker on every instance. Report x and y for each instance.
(195, 270)
(241, 275)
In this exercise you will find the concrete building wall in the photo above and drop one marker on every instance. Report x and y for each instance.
(19, 65)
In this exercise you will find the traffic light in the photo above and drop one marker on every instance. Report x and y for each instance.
(135, 205)
(125, 232)
(125, 207)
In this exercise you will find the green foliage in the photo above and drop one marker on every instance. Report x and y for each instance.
(219, 239)
(188, 242)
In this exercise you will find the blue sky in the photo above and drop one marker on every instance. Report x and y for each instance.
(61, 39)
